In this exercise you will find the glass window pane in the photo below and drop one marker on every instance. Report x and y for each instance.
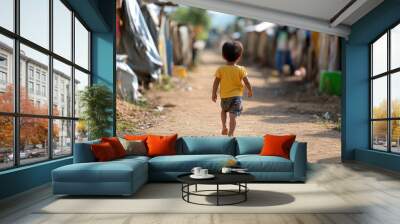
(81, 131)
(379, 97)
(395, 136)
(7, 14)
(6, 74)
(6, 142)
(62, 29)
(81, 82)
(33, 139)
(62, 89)
(395, 47)
(395, 95)
(62, 138)
(379, 56)
(34, 72)
(379, 135)
(81, 45)
(35, 21)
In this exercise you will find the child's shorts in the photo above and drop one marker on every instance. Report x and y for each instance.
(232, 105)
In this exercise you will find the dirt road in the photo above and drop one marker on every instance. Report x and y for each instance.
(271, 110)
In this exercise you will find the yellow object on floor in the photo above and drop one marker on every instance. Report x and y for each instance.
(179, 71)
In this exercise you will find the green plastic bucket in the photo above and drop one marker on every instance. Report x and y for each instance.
(331, 82)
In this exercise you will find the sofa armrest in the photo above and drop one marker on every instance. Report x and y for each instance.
(83, 152)
(298, 155)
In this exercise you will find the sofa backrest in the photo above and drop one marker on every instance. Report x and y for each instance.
(249, 145)
(194, 145)
(191, 145)
(83, 153)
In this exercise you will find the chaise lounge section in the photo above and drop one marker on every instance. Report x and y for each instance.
(271, 168)
(88, 177)
(125, 176)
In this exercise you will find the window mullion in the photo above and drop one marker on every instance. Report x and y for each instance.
(89, 54)
(73, 81)
(50, 81)
(389, 104)
(371, 94)
(16, 84)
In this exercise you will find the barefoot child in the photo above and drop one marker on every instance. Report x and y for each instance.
(230, 77)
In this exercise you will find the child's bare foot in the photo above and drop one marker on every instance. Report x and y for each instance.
(224, 131)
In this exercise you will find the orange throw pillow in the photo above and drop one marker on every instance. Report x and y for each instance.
(135, 137)
(275, 145)
(103, 151)
(161, 145)
(116, 145)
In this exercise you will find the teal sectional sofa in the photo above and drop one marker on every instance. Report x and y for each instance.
(125, 176)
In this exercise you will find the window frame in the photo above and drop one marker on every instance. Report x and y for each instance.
(388, 74)
(16, 114)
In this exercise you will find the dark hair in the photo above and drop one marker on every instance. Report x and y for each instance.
(232, 50)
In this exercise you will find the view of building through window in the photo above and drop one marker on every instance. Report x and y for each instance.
(40, 83)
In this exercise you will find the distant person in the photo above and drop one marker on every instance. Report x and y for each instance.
(231, 77)
(282, 55)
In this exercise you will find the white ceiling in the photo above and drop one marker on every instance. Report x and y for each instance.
(314, 15)
(322, 9)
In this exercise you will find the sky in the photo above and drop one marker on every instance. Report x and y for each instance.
(221, 20)
(395, 45)
(218, 20)
(35, 27)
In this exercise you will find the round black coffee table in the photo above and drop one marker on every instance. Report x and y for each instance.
(238, 179)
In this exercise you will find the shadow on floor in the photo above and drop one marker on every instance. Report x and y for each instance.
(256, 198)
(277, 114)
(325, 134)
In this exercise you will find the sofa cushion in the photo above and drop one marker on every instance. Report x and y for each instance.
(277, 145)
(136, 137)
(249, 145)
(185, 163)
(206, 145)
(257, 163)
(133, 158)
(103, 152)
(116, 145)
(159, 145)
(134, 147)
(83, 152)
(112, 171)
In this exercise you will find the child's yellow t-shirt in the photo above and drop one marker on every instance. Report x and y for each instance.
(231, 80)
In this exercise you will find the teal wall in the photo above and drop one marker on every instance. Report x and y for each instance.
(355, 110)
(103, 65)
(24, 178)
(99, 16)
(379, 159)
(91, 12)
(355, 127)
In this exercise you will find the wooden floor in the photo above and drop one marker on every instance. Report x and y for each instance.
(378, 189)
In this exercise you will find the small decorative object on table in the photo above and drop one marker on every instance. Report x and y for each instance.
(231, 163)
(226, 170)
(231, 166)
(230, 170)
(200, 173)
